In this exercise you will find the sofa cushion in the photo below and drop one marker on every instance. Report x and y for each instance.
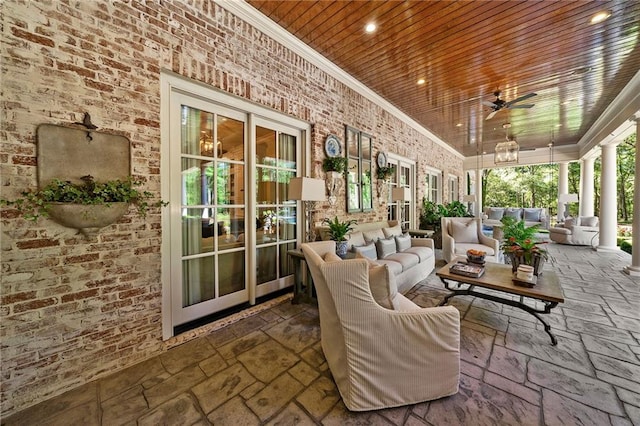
(332, 257)
(591, 221)
(368, 250)
(514, 213)
(495, 213)
(403, 242)
(392, 231)
(423, 253)
(464, 232)
(559, 230)
(382, 284)
(372, 262)
(394, 267)
(533, 215)
(406, 260)
(356, 239)
(373, 235)
(385, 247)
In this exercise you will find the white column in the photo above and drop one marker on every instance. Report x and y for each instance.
(563, 187)
(608, 199)
(478, 210)
(586, 187)
(634, 268)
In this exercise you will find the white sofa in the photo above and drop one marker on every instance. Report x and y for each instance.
(531, 216)
(579, 231)
(381, 357)
(460, 234)
(410, 259)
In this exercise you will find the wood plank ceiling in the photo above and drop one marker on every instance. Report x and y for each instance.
(467, 50)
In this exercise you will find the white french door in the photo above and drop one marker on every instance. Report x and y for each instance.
(231, 222)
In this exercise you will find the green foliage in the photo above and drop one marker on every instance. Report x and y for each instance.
(625, 245)
(431, 213)
(337, 229)
(385, 172)
(334, 164)
(35, 204)
(520, 239)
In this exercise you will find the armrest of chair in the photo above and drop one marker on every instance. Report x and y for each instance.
(423, 242)
(488, 241)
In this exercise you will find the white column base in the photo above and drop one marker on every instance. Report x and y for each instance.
(634, 271)
(606, 248)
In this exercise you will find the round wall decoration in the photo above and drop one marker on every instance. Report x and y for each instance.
(382, 159)
(332, 146)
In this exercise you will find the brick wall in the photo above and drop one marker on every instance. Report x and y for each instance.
(73, 309)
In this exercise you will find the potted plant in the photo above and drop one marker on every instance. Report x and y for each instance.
(385, 172)
(520, 246)
(334, 164)
(87, 206)
(338, 231)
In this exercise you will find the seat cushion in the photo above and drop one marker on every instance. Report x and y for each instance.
(465, 232)
(558, 230)
(403, 242)
(423, 253)
(461, 249)
(385, 247)
(407, 260)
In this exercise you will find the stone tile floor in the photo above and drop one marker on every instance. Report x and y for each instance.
(268, 369)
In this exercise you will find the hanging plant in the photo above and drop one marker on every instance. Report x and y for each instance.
(334, 164)
(385, 172)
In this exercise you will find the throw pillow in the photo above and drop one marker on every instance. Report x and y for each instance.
(382, 285)
(403, 242)
(591, 221)
(514, 213)
(368, 250)
(373, 235)
(356, 239)
(332, 257)
(385, 247)
(392, 232)
(465, 232)
(532, 215)
(495, 214)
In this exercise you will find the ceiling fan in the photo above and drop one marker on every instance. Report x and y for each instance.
(499, 104)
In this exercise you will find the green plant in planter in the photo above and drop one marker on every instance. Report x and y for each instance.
(334, 164)
(385, 172)
(520, 246)
(338, 230)
(36, 203)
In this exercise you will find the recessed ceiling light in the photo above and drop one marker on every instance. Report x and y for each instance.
(371, 27)
(422, 81)
(600, 16)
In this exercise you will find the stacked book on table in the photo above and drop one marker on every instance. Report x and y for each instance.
(472, 270)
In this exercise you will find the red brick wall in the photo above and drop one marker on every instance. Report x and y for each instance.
(73, 309)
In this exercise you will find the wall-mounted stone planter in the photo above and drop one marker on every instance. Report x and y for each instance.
(88, 219)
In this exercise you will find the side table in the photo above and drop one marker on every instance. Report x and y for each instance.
(303, 283)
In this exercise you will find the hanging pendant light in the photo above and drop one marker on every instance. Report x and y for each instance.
(506, 152)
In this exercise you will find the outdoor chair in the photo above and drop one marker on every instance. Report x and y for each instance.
(460, 234)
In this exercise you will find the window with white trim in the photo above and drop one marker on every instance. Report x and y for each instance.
(433, 190)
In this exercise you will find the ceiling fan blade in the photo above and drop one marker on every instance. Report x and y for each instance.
(521, 106)
(520, 99)
(491, 114)
(488, 103)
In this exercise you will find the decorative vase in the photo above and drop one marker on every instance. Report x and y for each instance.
(341, 248)
(518, 258)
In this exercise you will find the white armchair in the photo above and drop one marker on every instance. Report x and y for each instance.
(460, 234)
(580, 231)
(381, 358)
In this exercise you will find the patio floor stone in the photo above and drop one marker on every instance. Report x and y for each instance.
(269, 368)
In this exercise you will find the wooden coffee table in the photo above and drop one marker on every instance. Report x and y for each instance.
(499, 277)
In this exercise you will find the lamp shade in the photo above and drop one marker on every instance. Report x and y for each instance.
(401, 194)
(568, 198)
(469, 198)
(306, 189)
